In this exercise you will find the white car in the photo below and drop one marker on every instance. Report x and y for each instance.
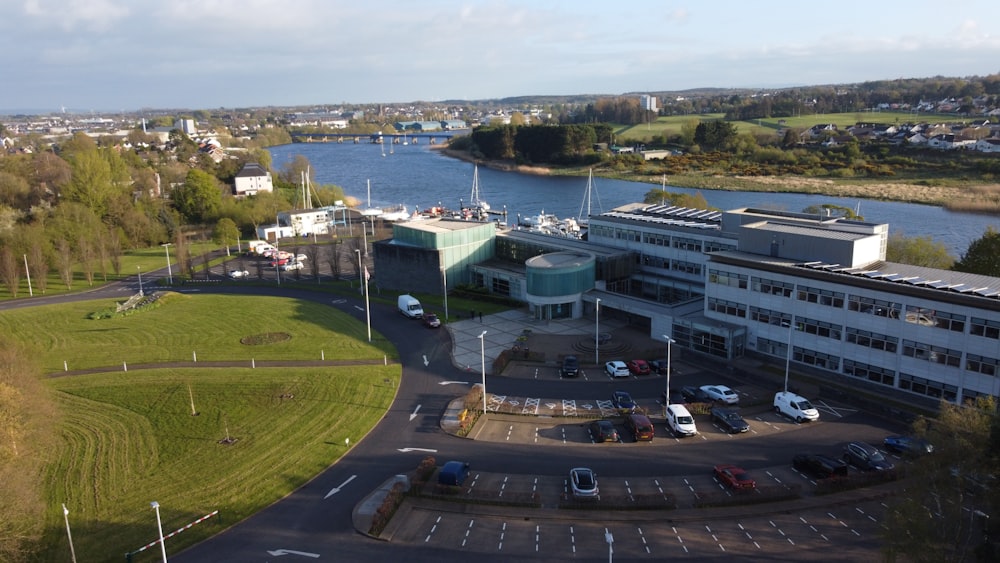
(239, 274)
(301, 257)
(617, 368)
(292, 266)
(721, 393)
(583, 483)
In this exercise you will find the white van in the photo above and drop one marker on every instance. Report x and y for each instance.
(680, 421)
(795, 407)
(410, 307)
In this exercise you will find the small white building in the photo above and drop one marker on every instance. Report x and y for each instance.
(252, 180)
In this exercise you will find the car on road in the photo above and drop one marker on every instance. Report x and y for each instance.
(721, 394)
(432, 321)
(866, 457)
(239, 274)
(583, 483)
(638, 367)
(729, 420)
(603, 431)
(623, 402)
(907, 445)
(616, 368)
(570, 367)
(819, 465)
(734, 477)
(694, 395)
(288, 267)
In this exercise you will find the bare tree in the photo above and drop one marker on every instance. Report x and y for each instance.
(332, 256)
(38, 265)
(312, 251)
(9, 271)
(85, 251)
(115, 250)
(64, 256)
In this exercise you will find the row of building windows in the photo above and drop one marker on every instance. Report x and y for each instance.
(724, 307)
(818, 359)
(767, 316)
(981, 364)
(876, 307)
(772, 287)
(871, 373)
(820, 296)
(931, 353)
(985, 328)
(819, 328)
(690, 268)
(730, 279)
(872, 340)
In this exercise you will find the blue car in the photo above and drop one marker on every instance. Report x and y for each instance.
(623, 402)
(907, 445)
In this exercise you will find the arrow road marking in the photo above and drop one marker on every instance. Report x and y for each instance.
(453, 382)
(280, 552)
(425, 360)
(414, 413)
(336, 490)
(407, 450)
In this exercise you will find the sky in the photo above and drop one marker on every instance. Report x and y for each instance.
(127, 55)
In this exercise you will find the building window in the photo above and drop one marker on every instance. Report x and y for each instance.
(932, 354)
(871, 373)
(981, 364)
(501, 286)
(926, 387)
(715, 246)
(985, 328)
(939, 319)
(685, 267)
(821, 296)
(877, 307)
(722, 277)
(687, 244)
(872, 340)
(819, 328)
(772, 287)
(770, 317)
(818, 359)
(727, 307)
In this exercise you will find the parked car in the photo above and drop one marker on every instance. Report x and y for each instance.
(660, 367)
(616, 368)
(638, 367)
(603, 431)
(694, 395)
(239, 274)
(819, 465)
(623, 402)
(721, 393)
(432, 321)
(907, 445)
(734, 477)
(453, 473)
(570, 367)
(640, 426)
(583, 483)
(301, 257)
(680, 421)
(278, 262)
(288, 267)
(795, 407)
(675, 397)
(866, 457)
(729, 420)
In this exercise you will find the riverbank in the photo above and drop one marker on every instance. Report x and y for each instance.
(984, 199)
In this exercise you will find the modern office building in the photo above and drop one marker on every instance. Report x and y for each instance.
(813, 289)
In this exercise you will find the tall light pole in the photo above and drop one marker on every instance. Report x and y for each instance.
(159, 527)
(170, 274)
(788, 351)
(72, 552)
(482, 355)
(277, 259)
(138, 269)
(444, 282)
(666, 399)
(363, 275)
(28, 274)
(610, 539)
(597, 331)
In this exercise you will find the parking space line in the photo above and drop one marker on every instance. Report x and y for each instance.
(572, 540)
(538, 536)
(503, 530)
(433, 529)
(468, 530)
(643, 538)
(504, 484)
(679, 539)
(510, 430)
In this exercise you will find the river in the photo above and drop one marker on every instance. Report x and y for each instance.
(419, 176)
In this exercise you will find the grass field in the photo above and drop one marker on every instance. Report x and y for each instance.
(126, 439)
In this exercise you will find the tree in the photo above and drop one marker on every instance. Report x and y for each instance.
(715, 135)
(225, 232)
(983, 255)
(918, 251)
(199, 198)
(692, 201)
(91, 182)
(10, 271)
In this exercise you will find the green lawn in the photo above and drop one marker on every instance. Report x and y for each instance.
(128, 438)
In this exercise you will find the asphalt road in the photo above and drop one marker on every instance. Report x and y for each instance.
(314, 522)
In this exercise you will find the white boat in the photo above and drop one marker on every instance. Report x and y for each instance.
(587, 202)
(548, 224)
(474, 200)
(396, 213)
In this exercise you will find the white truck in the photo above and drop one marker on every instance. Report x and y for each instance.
(410, 307)
(258, 247)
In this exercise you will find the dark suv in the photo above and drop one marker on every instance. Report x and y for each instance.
(819, 465)
(866, 457)
(570, 367)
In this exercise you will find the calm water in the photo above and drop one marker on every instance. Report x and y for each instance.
(418, 176)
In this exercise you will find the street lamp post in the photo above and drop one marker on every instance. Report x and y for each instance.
(27, 273)
(363, 275)
(444, 282)
(138, 269)
(597, 331)
(72, 552)
(159, 527)
(610, 539)
(482, 355)
(170, 274)
(788, 351)
(666, 400)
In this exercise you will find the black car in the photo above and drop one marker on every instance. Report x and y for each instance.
(675, 397)
(866, 457)
(729, 420)
(570, 367)
(819, 465)
(603, 431)
(695, 395)
(660, 367)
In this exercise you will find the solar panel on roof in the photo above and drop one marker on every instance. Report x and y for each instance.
(915, 280)
(988, 292)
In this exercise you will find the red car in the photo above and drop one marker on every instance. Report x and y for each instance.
(734, 477)
(638, 367)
